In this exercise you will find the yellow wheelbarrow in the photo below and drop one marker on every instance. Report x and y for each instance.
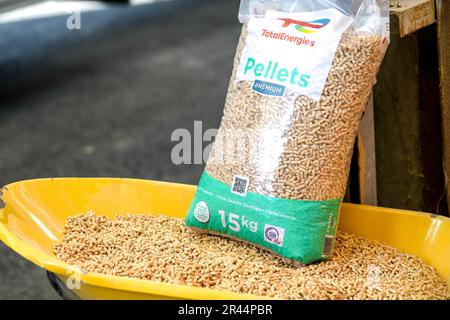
(33, 214)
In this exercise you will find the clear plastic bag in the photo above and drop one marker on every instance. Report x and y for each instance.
(303, 74)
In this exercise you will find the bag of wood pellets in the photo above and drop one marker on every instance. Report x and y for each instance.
(303, 74)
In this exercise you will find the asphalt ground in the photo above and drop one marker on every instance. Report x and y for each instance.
(104, 100)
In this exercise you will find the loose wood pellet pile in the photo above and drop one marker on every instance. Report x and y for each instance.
(162, 249)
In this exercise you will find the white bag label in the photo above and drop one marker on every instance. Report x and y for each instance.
(291, 50)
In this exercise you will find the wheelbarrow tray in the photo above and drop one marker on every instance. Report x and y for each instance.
(34, 213)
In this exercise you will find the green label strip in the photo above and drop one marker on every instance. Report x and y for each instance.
(296, 229)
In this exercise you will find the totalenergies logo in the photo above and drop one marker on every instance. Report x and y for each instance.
(308, 27)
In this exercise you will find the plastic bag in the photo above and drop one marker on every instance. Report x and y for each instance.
(303, 74)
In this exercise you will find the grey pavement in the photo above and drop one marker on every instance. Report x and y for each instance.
(103, 101)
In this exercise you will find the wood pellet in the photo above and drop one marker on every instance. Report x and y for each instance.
(162, 249)
(294, 147)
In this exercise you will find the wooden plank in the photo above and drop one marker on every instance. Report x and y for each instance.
(410, 15)
(443, 16)
(408, 124)
(367, 158)
(397, 133)
(413, 15)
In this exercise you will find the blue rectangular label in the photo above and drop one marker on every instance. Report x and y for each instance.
(268, 88)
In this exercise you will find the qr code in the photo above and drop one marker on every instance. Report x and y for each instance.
(240, 185)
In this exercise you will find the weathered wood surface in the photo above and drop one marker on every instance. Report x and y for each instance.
(367, 158)
(408, 124)
(407, 17)
(413, 15)
(443, 16)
